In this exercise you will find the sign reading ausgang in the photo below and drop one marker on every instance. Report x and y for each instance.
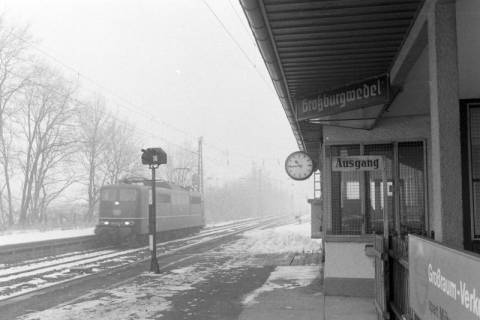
(444, 283)
(370, 92)
(357, 163)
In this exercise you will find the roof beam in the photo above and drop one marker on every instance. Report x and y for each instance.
(412, 46)
(276, 6)
(342, 12)
(349, 18)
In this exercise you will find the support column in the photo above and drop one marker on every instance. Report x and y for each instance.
(446, 195)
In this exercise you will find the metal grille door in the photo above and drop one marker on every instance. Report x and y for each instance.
(347, 217)
(375, 197)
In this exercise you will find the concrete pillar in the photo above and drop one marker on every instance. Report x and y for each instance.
(446, 202)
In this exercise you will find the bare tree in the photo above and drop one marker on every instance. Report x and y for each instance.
(13, 77)
(48, 140)
(122, 152)
(94, 122)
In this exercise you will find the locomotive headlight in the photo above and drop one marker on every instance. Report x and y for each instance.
(106, 223)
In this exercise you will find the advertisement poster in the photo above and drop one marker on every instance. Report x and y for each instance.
(444, 283)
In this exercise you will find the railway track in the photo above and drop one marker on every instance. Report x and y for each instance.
(30, 250)
(24, 280)
(14, 253)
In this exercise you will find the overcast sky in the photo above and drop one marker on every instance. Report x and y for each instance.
(170, 68)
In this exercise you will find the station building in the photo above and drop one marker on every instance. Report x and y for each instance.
(396, 81)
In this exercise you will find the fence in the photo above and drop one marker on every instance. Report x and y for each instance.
(398, 300)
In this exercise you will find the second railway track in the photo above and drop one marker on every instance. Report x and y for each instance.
(25, 280)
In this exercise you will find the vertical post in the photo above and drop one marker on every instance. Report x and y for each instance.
(200, 165)
(446, 164)
(153, 227)
(153, 157)
(386, 222)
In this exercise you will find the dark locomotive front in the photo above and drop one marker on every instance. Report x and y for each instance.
(120, 212)
(123, 212)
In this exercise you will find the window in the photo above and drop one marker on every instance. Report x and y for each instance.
(353, 190)
(411, 187)
(127, 195)
(163, 198)
(195, 200)
(474, 122)
(109, 195)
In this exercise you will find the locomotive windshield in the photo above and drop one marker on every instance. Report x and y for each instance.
(119, 202)
(109, 195)
(123, 195)
(127, 195)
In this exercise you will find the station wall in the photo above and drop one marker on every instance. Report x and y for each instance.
(348, 269)
(407, 119)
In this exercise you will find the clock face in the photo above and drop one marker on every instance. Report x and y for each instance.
(299, 165)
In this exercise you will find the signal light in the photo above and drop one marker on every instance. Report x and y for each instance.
(154, 156)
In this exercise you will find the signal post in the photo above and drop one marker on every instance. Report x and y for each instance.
(153, 157)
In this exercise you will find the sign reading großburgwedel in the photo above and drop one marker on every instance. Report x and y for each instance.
(357, 163)
(369, 92)
(444, 283)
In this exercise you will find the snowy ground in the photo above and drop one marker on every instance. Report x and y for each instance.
(151, 296)
(288, 238)
(25, 236)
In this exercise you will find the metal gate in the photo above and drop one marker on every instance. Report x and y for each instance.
(398, 267)
(381, 287)
(409, 217)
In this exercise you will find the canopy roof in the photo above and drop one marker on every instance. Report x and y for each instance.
(310, 46)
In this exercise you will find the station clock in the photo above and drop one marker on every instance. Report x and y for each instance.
(299, 165)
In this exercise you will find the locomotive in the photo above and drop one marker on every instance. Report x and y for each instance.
(124, 208)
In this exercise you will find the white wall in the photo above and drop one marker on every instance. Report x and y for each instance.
(347, 260)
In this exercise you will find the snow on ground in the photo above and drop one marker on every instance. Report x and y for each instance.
(285, 277)
(142, 298)
(288, 238)
(225, 223)
(24, 236)
(148, 296)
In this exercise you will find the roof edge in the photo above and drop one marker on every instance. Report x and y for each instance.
(254, 13)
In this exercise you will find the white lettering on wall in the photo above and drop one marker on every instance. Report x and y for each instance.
(468, 298)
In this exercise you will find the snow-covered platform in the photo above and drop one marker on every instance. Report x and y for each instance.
(25, 236)
(265, 274)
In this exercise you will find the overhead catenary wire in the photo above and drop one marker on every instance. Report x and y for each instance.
(148, 133)
(245, 27)
(128, 105)
(239, 46)
(128, 124)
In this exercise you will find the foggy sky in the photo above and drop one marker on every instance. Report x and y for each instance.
(168, 64)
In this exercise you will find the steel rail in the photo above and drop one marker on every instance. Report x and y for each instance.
(14, 253)
(98, 255)
(139, 260)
